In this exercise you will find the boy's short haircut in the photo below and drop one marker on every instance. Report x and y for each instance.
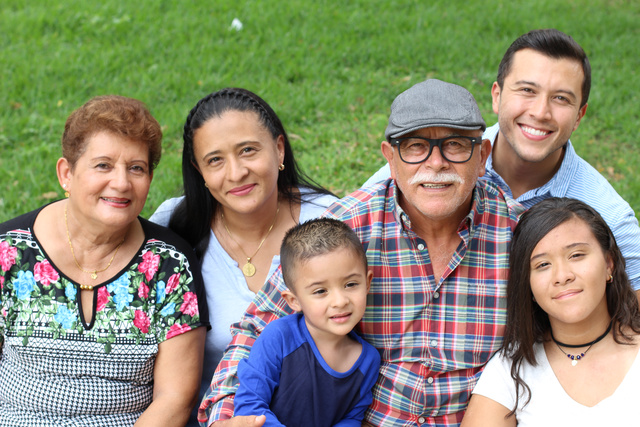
(314, 238)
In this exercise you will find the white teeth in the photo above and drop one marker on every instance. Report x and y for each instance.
(434, 185)
(533, 131)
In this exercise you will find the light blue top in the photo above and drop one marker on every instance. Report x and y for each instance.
(228, 295)
(579, 180)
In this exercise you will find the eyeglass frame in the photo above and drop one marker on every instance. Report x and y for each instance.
(475, 140)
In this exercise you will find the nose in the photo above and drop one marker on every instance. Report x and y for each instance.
(540, 109)
(435, 161)
(235, 169)
(339, 299)
(562, 274)
(121, 180)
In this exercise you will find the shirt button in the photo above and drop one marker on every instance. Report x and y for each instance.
(422, 420)
(436, 295)
(420, 247)
(430, 380)
(434, 343)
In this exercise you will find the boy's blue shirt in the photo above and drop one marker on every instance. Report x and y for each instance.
(286, 379)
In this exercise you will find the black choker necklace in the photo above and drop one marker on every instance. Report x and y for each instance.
(576, 357)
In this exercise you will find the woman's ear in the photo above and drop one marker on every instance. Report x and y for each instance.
(292, 300)
(63, 170)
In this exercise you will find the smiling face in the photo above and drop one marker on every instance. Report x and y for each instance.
(569, 272)
(331, 289)
(238, 159)
(538, 106)
(109, 182)
(437, 189)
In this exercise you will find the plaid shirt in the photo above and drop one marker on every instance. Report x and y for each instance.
(434, 335)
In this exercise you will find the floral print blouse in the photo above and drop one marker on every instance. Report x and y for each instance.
(57, 369)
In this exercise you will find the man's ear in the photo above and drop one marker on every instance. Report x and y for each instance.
(292, 300)
(495, 96)
(581, 113)
(387, 152)
(485, 152)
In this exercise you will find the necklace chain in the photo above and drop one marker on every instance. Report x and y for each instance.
(576, 357)
(94, 273)
(249, 269)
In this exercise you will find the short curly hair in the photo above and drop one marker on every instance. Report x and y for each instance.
(118, 115)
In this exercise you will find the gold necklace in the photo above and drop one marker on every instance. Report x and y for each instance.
(94, 273)
(249, 269)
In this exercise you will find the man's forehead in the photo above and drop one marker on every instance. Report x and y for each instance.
(529, 62)
(442, 132)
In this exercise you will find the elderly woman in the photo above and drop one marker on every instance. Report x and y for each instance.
(242, 191)
(101, 310)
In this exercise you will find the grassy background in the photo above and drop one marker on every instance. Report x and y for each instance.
(329, 69)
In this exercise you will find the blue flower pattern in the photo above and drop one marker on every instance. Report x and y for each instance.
(168, 309)
(70, 291)
(65, 317)
(160, 291)
(24, 284)
(120, 290)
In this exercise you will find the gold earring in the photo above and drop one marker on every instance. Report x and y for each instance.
(66, 193)
(610, 278)
(281, 167)
(206, 186)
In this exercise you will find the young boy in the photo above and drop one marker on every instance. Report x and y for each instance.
(310, 368)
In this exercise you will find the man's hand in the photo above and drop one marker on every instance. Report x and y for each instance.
(242, 421)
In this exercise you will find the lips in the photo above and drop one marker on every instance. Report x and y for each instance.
(567, 294)
(242, 190)
(116, 201)
(435, 186)
(534, 132)
(341, 318)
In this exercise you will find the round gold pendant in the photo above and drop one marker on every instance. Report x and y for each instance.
(94, 276)
(248, 269)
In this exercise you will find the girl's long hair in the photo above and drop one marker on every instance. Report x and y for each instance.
(527, 323)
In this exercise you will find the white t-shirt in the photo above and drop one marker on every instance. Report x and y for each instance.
(550, 405)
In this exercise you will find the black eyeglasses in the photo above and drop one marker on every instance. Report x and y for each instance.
(454, 149)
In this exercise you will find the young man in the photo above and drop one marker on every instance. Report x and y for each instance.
(437, 242)
(540, 97)
(310, 368)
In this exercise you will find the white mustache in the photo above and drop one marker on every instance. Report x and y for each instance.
(423, 176)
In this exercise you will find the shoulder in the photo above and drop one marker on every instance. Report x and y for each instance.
(162, 215)
(160, 235)
(363, 201)
(371, 354)
(590, 186)
(314, 204)
(285, 331)
(492, 203)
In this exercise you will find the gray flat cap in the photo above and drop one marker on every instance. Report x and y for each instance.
(433, 103)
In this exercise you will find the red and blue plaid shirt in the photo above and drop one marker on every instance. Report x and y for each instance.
(434, 335)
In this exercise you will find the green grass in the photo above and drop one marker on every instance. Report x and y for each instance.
(329, 69)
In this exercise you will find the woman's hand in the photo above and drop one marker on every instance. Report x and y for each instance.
(176, 380)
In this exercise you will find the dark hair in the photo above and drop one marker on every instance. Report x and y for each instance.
(313, 238)
(193, 216)
(554, 44)
(527, 323)
(118, 115)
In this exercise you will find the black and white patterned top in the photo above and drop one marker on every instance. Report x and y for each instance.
(58, 370)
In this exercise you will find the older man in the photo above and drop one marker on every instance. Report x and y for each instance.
(437, 242)
(540, 97)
